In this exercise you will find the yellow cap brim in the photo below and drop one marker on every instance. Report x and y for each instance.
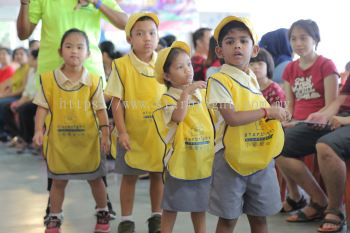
(243, 20)
(134, 17)
(163, 55)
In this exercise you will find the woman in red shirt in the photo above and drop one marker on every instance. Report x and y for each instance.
(6, 70)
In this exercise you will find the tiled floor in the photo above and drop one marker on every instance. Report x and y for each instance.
(23, 200)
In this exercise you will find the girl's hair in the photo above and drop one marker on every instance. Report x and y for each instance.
(266, 57)
(75, 30)
(174, 52)
(35, 53)
(7, 50)
(211, 53)
(309, 26)
(108, 48)
(17, 49)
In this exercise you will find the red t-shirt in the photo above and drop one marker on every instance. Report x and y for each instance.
(308, 85)
(6, 73)
(274, 94)
(198, 67)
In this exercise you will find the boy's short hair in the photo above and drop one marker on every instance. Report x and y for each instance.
(230, 22)
(163, 56)
(266, 57)
(199, 34)
(137, 17)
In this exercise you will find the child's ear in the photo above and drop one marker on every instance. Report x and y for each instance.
(60, 51)
(128, 39)
(166, 77)
(218, 51)
(256, 50)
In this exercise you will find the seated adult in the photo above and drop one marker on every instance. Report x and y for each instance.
(6, 70)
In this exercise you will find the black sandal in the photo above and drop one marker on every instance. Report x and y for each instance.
(302, 217)
(338, 223)
(296, 205)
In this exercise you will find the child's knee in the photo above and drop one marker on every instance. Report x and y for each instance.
(59, 184)
(257, 220)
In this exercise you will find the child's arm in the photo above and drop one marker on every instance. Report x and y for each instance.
(104, 127)
(233, 118)
(338, 121)
(40, 116)
(119, 121)
(181, 109)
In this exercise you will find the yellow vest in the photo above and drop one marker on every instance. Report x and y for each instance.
(141, 97)
(251, 147)
(71, 144)
(189, 154)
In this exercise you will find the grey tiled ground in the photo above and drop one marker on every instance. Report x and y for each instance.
(23, 199)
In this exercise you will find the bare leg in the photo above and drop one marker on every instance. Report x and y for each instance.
(57, 195)
(156, 191)
(225, 225)
(127, 194)
(333, 171)
(168, 221)
(198, 220)
(257, 224)
(98, 190)
(297, 170)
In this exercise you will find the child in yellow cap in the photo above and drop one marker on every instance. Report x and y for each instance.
(248, 133)
(184, 124)
(135, 93)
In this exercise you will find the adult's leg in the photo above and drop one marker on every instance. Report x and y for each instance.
(9, 121)
(26, 114)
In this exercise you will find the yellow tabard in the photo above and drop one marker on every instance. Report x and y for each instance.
(141, 97)
(251, 147)
(71, 143)
(189, 154)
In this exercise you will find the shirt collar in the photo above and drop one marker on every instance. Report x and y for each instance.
(248, 80)
(62, 78)
(142, 67)
(176, 93)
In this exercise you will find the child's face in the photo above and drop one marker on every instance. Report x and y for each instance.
(21, 57)
(302, 43)
(144, 37)
(180, 71)
(74, 50)
(237, 48)
(5, 58)
(259, 68)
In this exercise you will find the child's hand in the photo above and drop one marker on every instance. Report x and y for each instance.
(195, 85)
(105, 144)
(338, 121)
(277, 113)
(38, 138)
(124, 140)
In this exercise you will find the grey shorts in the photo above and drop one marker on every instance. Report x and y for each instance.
(121, 167)
(185, 195)
(232, 194)
(339, 141)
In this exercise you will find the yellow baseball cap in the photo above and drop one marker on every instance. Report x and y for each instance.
(134, 17)
(163, 55)
(243, 20)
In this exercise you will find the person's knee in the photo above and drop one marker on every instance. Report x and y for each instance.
(130, 179)
(324, 152)
(59, 184)
(227, 223)
(257, 220)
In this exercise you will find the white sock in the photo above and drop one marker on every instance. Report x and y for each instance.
(126, 218)
(102, 209)
(156, 213)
